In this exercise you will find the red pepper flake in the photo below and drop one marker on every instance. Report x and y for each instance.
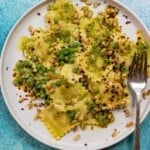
(38, 13)
(22, 108)
(127, 22)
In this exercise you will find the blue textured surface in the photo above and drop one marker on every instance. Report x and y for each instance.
(12, 137)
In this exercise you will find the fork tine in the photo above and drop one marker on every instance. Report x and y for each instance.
(131, 68)
(145, 65)
(140, 69)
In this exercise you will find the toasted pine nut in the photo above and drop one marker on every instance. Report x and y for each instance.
(95, 4)
(51, 90)
(114, 134)
(89, 2)
(37, 116)
(76, 16)
(30, 29)
(30, 105)
(90, 13)
(86, 13)
(21, 99)
(54, 44)
(38, 110)
(127, 113)
(84, 8)
(76, 21)
(129, 124)
(76, 137)
(33, 98)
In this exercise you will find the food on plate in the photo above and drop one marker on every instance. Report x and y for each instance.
(77, 65)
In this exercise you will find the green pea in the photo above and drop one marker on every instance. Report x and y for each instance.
(52, 69)
(71, 60)
(102, 118)
(66, 59)
(47, 101)
(58, 83)
(115, 45)
(62, 63)
(39, 84)
(17, 81)
(34, 58)
(30, 81)
(66, 52)
(75, 45)
(71, 114)
(42, 95)
(61, 56)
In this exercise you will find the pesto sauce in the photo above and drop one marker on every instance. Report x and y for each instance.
(66, 11)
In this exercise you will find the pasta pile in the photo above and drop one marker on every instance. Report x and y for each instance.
(78, 66)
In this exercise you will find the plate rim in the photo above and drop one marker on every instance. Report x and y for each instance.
(19, 122)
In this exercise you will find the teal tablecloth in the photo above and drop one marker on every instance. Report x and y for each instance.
(12, 137)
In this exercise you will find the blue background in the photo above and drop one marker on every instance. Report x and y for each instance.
(12, 137)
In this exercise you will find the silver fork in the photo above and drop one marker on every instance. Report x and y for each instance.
(137, 80)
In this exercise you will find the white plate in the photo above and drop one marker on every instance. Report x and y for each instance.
(90, 139)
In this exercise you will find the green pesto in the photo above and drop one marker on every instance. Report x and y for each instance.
(66, 11)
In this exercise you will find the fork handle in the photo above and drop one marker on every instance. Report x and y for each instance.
(137, 127)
